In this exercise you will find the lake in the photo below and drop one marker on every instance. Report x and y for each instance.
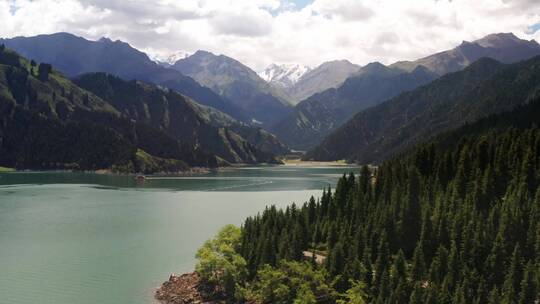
(91, 238)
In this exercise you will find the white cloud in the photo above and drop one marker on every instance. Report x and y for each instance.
(259, 32)
(249, 24)
(349, 10)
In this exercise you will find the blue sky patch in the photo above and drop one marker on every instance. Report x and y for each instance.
(295, 5)
(13, 8)
(533, 28)
(300, 4)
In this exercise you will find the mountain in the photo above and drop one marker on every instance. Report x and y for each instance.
(317, 116)
(48, 122)
(168, 61)
(454, 220)
(238, 83)
(183, 119)
(284, 75)
(483, 88)
(326, 76)
(503, 47)
(74, 56)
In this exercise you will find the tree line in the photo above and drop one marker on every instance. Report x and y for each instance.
(455, 220)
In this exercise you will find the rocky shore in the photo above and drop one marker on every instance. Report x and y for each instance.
(183, 289)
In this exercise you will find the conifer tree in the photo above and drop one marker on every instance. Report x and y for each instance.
(417, 295)
(418, 263)
(452, 221)
(513, 277)
(529, 290)
(494, 297)
(44, 70)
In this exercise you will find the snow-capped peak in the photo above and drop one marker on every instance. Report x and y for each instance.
(285, 75)
(172, 58)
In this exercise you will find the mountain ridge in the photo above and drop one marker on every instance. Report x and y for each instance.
(322, 113)
(50, 123)
(237, 82)
(284, 75)
(329, 74)
(485, 87)
(503, 47)
(75, 55)
(317, 116)
(176, 115)
(146, 124)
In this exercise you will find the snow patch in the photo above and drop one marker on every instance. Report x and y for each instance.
(285, 75)
(172, 58)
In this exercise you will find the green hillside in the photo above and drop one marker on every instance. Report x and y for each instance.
(317, 116)
(55, 120)
(455, 220)
(484, 88)
(181, 118)
(38, 139)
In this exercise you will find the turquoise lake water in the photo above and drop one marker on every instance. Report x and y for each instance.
(90, 238)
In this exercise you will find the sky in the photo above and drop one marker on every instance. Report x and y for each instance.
(261, 32)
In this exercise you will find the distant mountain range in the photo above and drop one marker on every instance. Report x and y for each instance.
(503, 47)
(171, 59)
(227, 96)
(238, 83)
(316, 116)
(284, 75)
(300, 82)
(485, 87)
(320, 114)
(104, 122)
(74, 56)
(328, 75)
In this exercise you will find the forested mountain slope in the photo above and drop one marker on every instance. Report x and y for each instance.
(180, 118)
(454, 220)
(317, 116)
(49, 122)
(320, 114)
(257, 136)
(483, 88)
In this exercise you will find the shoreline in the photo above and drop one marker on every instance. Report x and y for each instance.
(193, 170)
(310, 163)
(185, 288)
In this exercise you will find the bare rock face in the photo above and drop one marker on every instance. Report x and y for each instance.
(241, 85)
(300, 81)
(284, 75)
(326, 76)
(503, 47)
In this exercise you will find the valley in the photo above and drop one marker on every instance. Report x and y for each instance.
(259, 152)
